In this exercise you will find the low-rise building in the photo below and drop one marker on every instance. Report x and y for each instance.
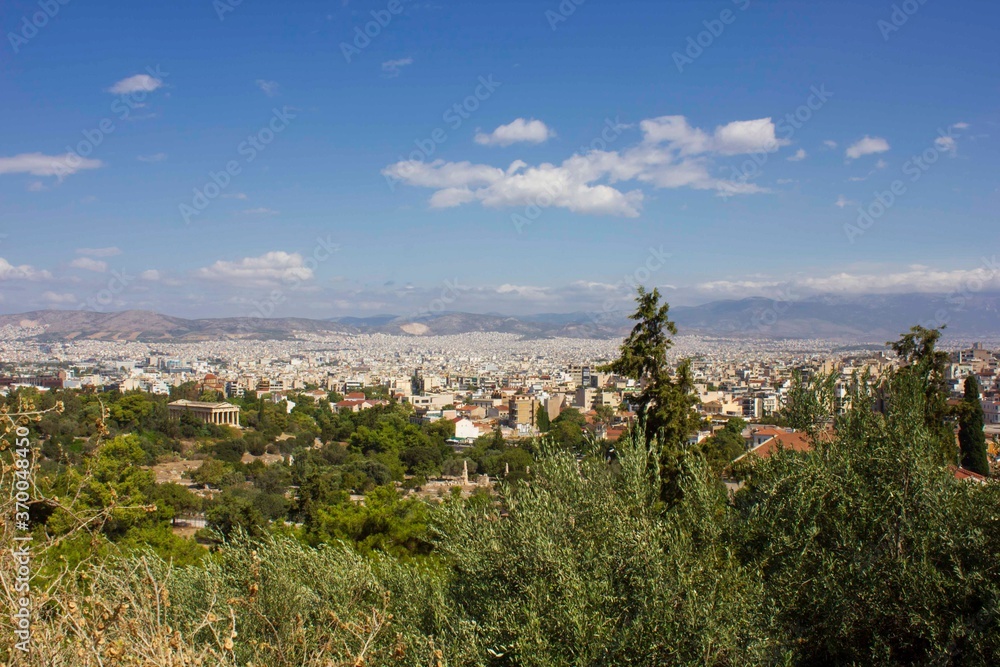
(211, 413)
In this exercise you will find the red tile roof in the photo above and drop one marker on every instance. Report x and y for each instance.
(794, 442)
(963, 474)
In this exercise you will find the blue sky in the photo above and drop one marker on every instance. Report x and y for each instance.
(510, 157)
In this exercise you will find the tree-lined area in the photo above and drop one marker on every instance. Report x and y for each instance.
(867, 549)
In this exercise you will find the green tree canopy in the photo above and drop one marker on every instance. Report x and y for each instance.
(971, 437)
(666, 402)
(918, 351)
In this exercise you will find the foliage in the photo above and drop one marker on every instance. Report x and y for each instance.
(567, 429)
(810, 404)
(871, 552)
(971, 438)
(721, 448)
(542, 422)
(383, 522)
(665, 402)
(918, 351)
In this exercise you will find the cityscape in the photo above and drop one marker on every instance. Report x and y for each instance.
(479, 378)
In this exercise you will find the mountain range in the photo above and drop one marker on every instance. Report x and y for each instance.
(850, 318)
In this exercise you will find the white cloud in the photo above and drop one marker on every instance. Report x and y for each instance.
(88, 264)
(737, 286)
(393, 67)
(671, 155)
(441, 174)
(268, 269)
(36, 186)
(519, 130)
(747, 136)
(38, 164)
(736, 138)
(867, 146)
(961, 126)
(830, 143)
(155, 157)
(269, 88)
(235, 195)
(566, 186)
(134, 84)
(150, 275)
(9, 271)
(843, 201)
(524, 291)
(916, 279)
(260, 211)
(913, 279)
(110, 251)
(55, 298)
(450, 197)
(881, 164)
(799, 155)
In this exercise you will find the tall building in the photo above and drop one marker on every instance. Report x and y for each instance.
(521, 410)
(580, 374)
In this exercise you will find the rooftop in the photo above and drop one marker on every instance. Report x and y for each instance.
(201, 404)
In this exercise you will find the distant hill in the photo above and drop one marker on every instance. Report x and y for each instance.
(871, 318)
(150, 326)
(861, 318)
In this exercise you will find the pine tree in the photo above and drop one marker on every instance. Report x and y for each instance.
(542, 419)
(927, 365)
(666, 402)
(971, 439)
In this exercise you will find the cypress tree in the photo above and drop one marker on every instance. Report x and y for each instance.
(971, 439)
(542, 421)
